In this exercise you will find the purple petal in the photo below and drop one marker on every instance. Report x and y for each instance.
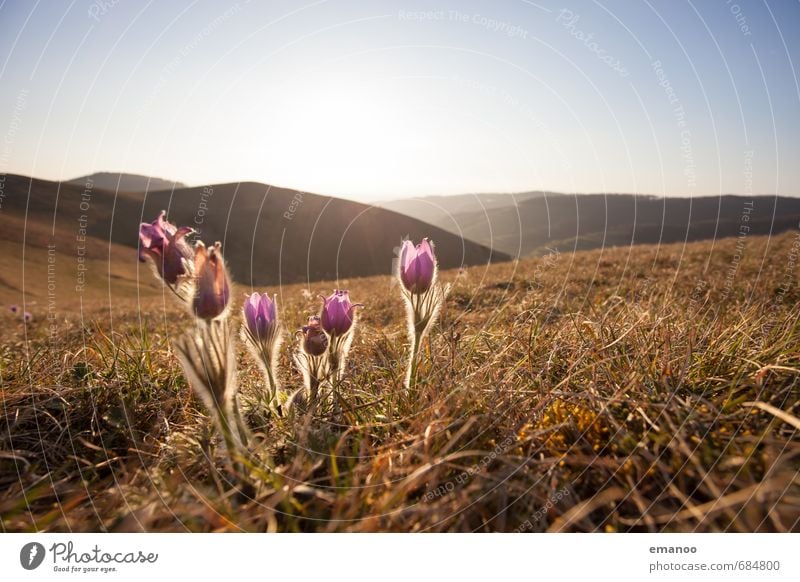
(250, 312)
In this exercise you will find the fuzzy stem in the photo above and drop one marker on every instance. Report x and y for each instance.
(267, 360)
(240, 424)
(313, 378)
(413, 363)
(334, 358)
(273, 387)
(232, 444)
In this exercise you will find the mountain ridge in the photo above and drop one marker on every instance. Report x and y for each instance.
(587, 221)
(270, 235)
(126, 182)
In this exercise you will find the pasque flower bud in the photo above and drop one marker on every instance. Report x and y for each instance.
(262, 332)
(315, 342)
(261, 316)
(417, 266)
(212, 290)
(337, 313)
(165, 245)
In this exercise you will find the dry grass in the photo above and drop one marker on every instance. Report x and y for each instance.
(601, 391)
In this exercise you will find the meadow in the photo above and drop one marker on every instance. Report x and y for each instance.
(646, 388)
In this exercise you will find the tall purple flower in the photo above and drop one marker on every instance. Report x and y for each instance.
(337, 319)
(165, 245)
(14, 309)
(337, 313)
(423, 295)
(417, 266)
(212, 291)
(262, 334)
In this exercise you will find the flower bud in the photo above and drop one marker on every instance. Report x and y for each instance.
(417, 266)
(212, 291)
(261, 317)
(315, 342)
(166, 246)
(337, 313)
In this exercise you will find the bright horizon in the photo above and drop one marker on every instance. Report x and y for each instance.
(388, 100)
(422, 195)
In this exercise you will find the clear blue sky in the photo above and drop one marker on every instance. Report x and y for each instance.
(380, 99)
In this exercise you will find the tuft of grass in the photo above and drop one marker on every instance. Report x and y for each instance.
(625, 389)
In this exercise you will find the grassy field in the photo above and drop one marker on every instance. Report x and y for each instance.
(630, 389)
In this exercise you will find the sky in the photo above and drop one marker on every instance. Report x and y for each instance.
(377, 100)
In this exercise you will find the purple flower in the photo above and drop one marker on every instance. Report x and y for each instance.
(14, 309)
(315, 342)
(212, 291)
(28, 317)
(260, 314)
(337, 313)
(417, 266)
(164, 243)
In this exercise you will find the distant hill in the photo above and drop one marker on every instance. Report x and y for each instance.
(122, 182)
(441, 210)
(527, 224)
(269, 235)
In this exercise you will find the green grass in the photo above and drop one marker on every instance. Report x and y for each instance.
(597, 391)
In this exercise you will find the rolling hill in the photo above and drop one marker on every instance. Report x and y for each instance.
(529, 223)
(441, 210)
(123, 182)
(269, 235)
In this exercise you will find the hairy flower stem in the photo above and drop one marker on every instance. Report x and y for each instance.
(411, 380)
(240, 424)
(273, 386)
(269, 371)
(314, 372)
(313, 389)
(209, 361)
(422, 310)
(231, 435)
(418, 326)
(334, 360)
(338, 346)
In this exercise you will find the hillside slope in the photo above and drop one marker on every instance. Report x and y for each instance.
(270, 235)
(124, 182)
(441, 210)
(530, 224)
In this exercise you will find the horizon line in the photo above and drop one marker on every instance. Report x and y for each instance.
(372, 202)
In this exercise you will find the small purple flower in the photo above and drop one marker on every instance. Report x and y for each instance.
(417, 266)
(262, 333)
(14, 309)
(423, 296)
(260, 313)
(166, 246)
(315, 342)
(212, 292)
(28, 317)
(337, 313)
